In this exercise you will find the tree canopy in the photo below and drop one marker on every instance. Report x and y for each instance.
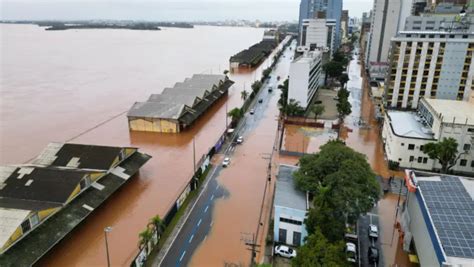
(236, 114)
(343, 79)
(293, 108)
(256, 86)
(333, 69)
(317, 110)
(317, 251)
(343, 185)
(445, 151)
(282, 102)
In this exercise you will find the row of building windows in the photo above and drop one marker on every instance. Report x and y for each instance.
(290, 221)
(466, 147)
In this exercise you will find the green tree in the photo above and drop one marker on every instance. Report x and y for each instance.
(226, 72)
(445, 151)
(157, 224)
(343, 106)
(244, 94)
(144, 238)
(256, 86)
(343, 186)
(333, 69)
(293, 108)
(317, 110)
(340, 57)
(236, 114)
(343, 79)
(319, 252)
(282, 102)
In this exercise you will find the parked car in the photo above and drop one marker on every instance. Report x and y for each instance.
(373, 231)
(240, 140)
(285, 251)
(351, 252)
(270, 89)
(226, 162)
(260, 100)
(252, 111)
(373, 254)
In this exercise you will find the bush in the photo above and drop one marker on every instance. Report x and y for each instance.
(393, 165)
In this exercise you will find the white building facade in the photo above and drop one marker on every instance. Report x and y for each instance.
(431, 59)
(388, 17)
(317, 34)
(305, 77)
(405, 133)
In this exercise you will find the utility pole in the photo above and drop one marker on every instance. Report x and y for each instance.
(226, 115)
(194, 155)
(252, 246)
(107, 229)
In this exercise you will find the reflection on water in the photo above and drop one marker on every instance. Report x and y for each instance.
(57, 84)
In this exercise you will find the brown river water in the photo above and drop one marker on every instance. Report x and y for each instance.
(76, 86)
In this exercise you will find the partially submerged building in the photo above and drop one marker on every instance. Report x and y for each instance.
(437, 219)
(305, 77)
(177, 108)
(254, 55)
(41, 202)
(405, 133)
(291, 206)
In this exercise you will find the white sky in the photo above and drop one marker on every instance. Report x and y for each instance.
(163, 10)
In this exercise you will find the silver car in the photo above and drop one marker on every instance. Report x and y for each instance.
(226, 162)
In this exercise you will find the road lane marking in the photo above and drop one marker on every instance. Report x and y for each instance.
(212, 197)
(199, 223)
(212, 222)
(205, 238)
(182, 256)
(205, 210)
(191, 239)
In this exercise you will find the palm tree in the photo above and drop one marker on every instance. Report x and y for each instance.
(226, 72)
(317, 110)
(144, 238)
(445, 151)
(244, 94)
(157, 224)
(236, 114)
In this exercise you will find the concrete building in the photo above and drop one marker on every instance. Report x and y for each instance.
(291, 206)
(388, 18)
(437, 219)
(431, 58)
(405, 133)
(305, 77)
(177, 108)
(332, 9)
(344, 25)
(317, 34)
(31, 194)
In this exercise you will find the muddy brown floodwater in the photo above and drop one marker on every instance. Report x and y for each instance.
(74, 86)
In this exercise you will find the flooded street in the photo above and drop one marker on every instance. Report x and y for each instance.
(76, 85)
(236, 217)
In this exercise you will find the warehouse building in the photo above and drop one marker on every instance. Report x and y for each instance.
(177, 108)
(437, 221)
(291, 206)
(32, 193)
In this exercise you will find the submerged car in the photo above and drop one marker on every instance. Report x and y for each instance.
(260, 100)
(285, 251)
(252, 111)
(226, 162)
(373, 255)
(240, 140)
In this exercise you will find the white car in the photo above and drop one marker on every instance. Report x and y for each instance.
(351, 252)
(285, 251)
(240, 140)
(226, 162)
(373, 231)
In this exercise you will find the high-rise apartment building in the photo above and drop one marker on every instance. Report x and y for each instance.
(317, 34)
(431, 58)
(331, 8)
(388, 18)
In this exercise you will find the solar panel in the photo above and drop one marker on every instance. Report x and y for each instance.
(452, 211)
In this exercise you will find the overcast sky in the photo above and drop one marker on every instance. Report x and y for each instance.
(162, 10)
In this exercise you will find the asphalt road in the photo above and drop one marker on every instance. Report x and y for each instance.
(199, 222)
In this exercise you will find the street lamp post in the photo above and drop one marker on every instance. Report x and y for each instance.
(107, 229)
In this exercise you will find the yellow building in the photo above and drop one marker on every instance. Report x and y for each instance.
(30, 194)
(177, 108)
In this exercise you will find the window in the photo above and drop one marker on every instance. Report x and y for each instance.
(34, 220)
(25, 226)
(411, 159)
(421, 148)
(425, 160)
(411, 147)
(420, 159)
(472, 164)
(295, 222)
(467, 147)
(463, 162)
(403, 144)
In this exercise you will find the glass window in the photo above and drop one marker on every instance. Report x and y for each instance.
(25, 226)
(463, 162)
(467, 147)
(425, 160)
(420, 159)
(411, 147)
(412, 158)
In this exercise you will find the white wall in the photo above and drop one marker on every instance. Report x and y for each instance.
(298, 83)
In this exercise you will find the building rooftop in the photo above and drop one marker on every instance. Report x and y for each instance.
(408, 124)
(172, 102)
(451, 110)
(308, 57)
(286, 195)
(450, 203)
(35, 184)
